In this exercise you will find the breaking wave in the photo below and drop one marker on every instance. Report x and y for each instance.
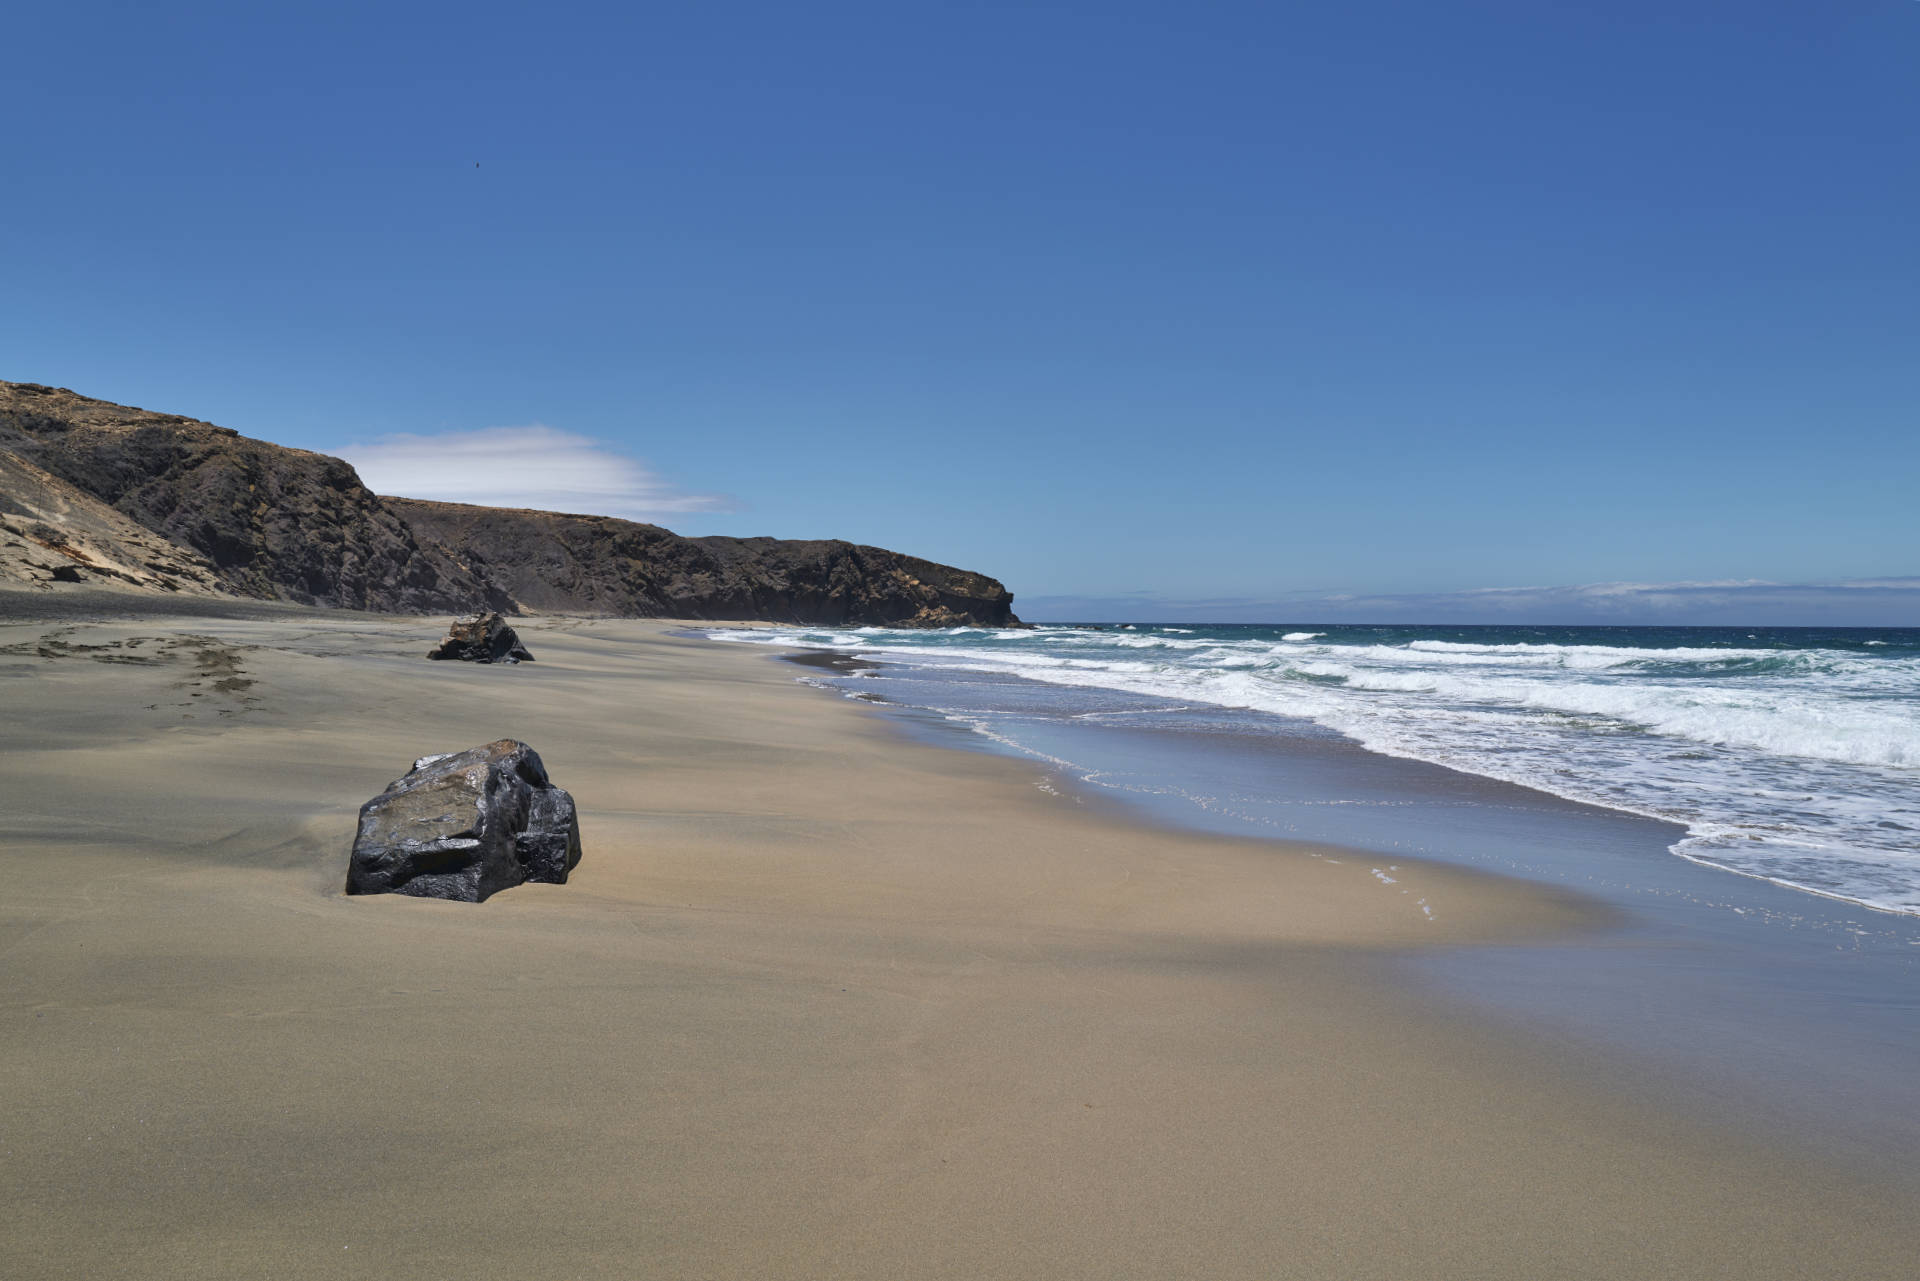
(1787, 756)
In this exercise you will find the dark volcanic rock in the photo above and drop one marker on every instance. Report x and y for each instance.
(482, 638)
(601, 564)
(464, 826)
(276, 523)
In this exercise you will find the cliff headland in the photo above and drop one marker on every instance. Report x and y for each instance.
(108, 495)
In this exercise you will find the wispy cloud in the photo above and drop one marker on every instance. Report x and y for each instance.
(1873, 602)
(539, 467)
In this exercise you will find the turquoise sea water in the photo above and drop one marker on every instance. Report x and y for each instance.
(1789, 754)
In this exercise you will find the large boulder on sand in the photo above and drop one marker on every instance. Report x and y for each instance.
(482, 638)
(465, 825)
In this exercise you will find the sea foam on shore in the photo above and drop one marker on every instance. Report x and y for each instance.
(1788, 754)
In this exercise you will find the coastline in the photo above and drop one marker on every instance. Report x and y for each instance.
(820, 1000)
(1734, 996)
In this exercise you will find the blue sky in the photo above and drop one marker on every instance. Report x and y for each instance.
(1146, 303)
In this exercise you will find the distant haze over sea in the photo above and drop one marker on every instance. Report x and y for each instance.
(1877, 602)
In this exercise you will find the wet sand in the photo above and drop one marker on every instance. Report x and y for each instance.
(820, 1001)
(1748, 999)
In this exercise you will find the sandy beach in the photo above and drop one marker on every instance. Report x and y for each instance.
(820, 1001)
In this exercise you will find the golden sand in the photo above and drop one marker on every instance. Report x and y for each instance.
(819, 1002)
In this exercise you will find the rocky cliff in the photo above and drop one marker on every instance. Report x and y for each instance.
(52, 532)
(225, 512)
(547, 561)
(275, 523)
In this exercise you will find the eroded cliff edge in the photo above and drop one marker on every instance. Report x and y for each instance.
(551, 562)
(269, 522)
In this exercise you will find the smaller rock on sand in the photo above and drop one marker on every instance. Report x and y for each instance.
(482, 638)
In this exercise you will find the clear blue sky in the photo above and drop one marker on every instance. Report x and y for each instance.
(1148, 301)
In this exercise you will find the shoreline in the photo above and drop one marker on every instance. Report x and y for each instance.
(1770, 762)
(1733, 997)
(820, 1000)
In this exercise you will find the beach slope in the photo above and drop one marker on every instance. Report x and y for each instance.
(819, 1002)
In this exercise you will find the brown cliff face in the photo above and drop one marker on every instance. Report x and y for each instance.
(601, 564)
(52, 532)
(275, 523)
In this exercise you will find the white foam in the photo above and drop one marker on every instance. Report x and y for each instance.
(1779, 722)
(1800, 766)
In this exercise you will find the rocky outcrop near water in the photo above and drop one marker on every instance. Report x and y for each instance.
(481, 638)
(464, 826)
(547, 561)
(274, 523)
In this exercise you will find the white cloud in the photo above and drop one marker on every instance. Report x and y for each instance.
(537, 466)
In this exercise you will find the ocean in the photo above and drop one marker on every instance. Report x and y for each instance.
(1789, 754)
